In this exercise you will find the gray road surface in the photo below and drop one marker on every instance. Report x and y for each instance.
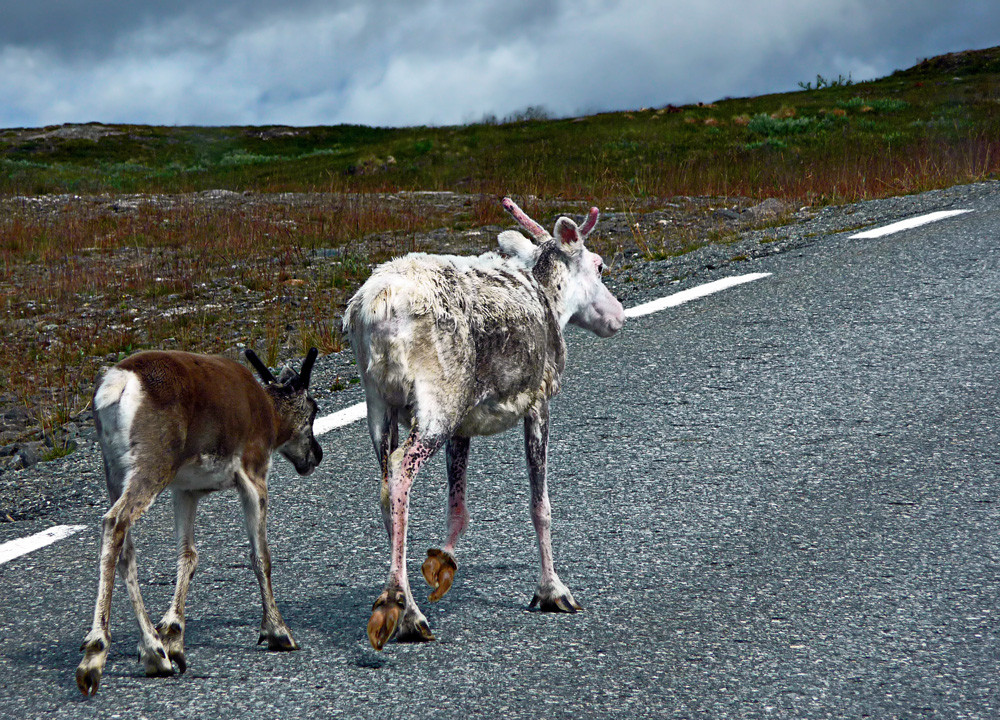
(778, 501)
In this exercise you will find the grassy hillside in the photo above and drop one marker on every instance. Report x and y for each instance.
(87, 280)
(933, 124)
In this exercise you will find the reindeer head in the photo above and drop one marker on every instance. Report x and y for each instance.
(585, 300)
(296, 410)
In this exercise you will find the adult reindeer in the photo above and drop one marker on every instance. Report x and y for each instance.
(464, 346)
(195, 424)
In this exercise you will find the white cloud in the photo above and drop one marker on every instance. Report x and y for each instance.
(446, 61)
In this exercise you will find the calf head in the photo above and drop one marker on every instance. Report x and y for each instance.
(296, 411)
(586, 300)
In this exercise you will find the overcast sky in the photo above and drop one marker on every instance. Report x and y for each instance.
(415, 62)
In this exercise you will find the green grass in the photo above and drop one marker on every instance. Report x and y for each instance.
(942, 118)
(81, 288)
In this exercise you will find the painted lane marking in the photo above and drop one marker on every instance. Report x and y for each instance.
(22, 546)
(325, 424)
(359, 411)
(907, 224)
(691, 294)
(353, 413)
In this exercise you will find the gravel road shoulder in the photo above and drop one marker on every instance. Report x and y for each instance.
(44, 488)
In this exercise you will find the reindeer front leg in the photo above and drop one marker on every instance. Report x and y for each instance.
(440, 566)
(253, 495)
(171, 626)
(552, 595)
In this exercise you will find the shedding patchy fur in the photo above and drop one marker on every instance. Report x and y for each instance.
(455, 347)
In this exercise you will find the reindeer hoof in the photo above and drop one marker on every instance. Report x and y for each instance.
(555, 597)
(413, 628)
(386, 611)
(88, 678)
(88, 674)
(172, 636)
(154, 660)
(278, 640)
(439, 571)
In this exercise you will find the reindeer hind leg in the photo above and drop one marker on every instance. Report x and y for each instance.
(137, 490)
(440, 566)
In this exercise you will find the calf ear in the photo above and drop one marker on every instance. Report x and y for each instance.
(568, 234)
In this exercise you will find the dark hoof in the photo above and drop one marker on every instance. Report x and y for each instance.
(172, 637)
(414, 630)
(278, 641)
(87, 679)
(562, 602)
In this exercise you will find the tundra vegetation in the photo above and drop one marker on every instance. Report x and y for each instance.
(181, 233)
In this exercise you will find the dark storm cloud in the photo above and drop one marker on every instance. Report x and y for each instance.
(443, 61)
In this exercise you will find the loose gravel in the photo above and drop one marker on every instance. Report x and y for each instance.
(43, 488)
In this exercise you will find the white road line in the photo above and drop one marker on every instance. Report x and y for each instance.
(351, 414)
(325, 424)
(691, 294)
(321, 426)
(22, 546)
(907, 224)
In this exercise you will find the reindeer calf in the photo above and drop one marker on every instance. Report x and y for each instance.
(195, 424)
(456, 347)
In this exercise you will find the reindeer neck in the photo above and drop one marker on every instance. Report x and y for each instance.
(551, 272)
(282, 431)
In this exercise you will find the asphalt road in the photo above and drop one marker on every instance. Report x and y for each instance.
(777, 501)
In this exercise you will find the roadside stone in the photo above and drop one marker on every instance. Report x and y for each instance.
(26, 455)
(726, 214)
(769, 209)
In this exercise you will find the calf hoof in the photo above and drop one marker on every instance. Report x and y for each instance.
(554, 597)
(154, 660)
(386, 611)
(88, 678)
(413, 627)
(278, 639)
(91, 668)
(172, 636)
(439, 570)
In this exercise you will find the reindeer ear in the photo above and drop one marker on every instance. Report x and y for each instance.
(568, 234)
(515, 244)
(259, 366)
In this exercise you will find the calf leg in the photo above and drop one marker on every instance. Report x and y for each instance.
(253, 494)
(137, 492)
(552, 595)
(395, 610)
(171, 627)
(440, 566)
(151, 653)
